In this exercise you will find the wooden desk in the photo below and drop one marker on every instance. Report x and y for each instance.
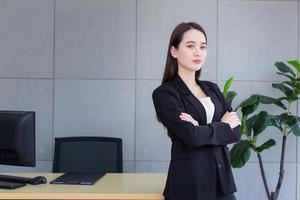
(111, 186)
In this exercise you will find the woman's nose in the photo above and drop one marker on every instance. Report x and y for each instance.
(197, 52)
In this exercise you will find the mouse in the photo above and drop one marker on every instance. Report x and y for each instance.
(38, 180)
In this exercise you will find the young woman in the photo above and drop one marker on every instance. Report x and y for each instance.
(199, 120)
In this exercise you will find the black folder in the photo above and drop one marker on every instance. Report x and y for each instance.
(78, 178)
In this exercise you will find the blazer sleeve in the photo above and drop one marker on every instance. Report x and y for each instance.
(236, 132)
(168, 108)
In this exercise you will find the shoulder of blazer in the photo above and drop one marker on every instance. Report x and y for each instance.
(166, 87)
(164, 93)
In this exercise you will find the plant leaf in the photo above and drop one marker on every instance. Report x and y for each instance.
(266, 145)
(269, 100)
(240, 154)
(289, 84)
(249, 105)
(249, 125)
(244, 125)
(288, 90)
(249, 109)
(260, 123)
(294, 123)
(286, 75)
(230, 96)
(297, 88)
(281, 66)
(295, 64)
(250, 101)
(274, 120)
(292, 98)
(227, 85)
(282, 98)
(283, 88)
(283, 117)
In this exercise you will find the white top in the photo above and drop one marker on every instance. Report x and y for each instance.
(209, 108)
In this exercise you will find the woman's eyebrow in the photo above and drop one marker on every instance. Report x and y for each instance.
(195, 42)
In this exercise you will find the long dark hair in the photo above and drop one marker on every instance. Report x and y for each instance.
(171, 67)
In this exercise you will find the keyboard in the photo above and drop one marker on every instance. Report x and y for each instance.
(14, 179)
(10, 185)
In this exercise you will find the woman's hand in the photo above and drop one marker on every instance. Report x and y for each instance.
(188, 118)
(231, 118)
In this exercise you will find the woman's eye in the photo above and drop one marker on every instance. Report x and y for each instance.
(190, 46)
(203, 47)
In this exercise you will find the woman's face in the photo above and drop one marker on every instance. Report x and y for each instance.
(192, 50)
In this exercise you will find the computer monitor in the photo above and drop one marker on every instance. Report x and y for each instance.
(17, 138)
(17, 146)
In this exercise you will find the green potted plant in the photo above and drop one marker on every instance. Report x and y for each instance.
(254, 121)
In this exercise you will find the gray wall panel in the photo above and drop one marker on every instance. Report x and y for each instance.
(96, 108)
(95, 39)
(128, 166)
(253, 35)
(152, 142)
(298, 181)
(26, 34)
(152, 167)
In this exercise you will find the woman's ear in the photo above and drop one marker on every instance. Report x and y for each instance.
(173, 52)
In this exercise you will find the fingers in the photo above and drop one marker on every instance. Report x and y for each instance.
(188, 118)
(233, 114)
(235, 117)
(185, 116)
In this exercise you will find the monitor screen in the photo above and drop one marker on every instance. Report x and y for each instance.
(17, 138)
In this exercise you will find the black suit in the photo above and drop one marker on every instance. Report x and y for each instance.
(199, 155)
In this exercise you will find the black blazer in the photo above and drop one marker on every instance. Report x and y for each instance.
(199, 154)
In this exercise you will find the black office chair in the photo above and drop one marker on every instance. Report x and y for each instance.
(88, 155)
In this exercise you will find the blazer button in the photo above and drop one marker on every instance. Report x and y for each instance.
(219, 165)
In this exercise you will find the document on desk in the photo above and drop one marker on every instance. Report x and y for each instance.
(78, 178)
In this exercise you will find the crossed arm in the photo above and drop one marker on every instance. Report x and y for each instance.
(229, 117)
(183, 126)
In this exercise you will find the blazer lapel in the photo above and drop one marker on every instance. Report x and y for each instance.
(201, 113)
(188, 95)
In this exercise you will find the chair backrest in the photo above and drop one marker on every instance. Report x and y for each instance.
(88, 154)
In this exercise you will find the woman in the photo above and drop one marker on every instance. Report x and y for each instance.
(199, 120)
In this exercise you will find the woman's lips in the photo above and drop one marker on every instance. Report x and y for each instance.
(197, 61)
